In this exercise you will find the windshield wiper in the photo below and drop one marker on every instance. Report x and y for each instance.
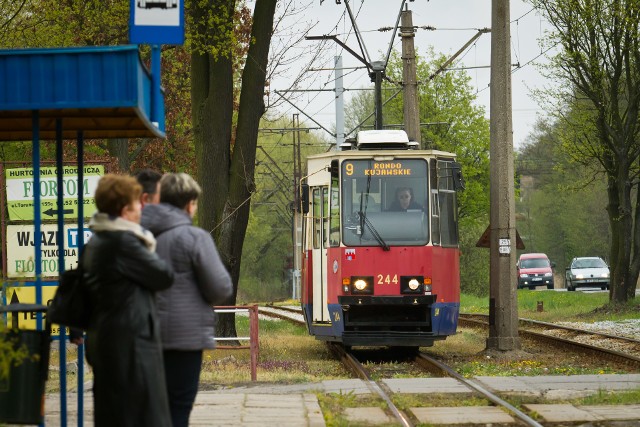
(374, 232)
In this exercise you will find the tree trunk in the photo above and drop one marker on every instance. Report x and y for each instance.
(119, 148)
(227, 179)
(212, 113)
(241, 177)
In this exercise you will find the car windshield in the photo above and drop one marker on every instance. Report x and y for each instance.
(589, 263)
(534, 263)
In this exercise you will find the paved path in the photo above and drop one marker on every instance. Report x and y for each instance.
(297, 405)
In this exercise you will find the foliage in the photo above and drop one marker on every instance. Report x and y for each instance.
(10, 354)
(561, 210)
(455, 124)
(526, 367)
(597, 101)
(474, 261)
(267, 254)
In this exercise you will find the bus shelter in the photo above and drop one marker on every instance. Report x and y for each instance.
(74, 93)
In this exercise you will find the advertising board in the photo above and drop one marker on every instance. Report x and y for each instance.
(20, 192)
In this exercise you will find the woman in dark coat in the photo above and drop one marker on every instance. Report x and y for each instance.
(122, 273)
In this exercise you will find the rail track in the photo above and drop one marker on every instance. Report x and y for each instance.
(351, 362)
(354, 366)
(614, 348)
(619, 349)
(284, 313)
(436, 367)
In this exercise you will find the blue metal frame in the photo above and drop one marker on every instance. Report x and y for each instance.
(93, 92)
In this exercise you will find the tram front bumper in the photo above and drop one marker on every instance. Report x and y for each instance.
(388, 320)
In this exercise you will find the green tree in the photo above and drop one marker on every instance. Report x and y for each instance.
(455, 124)
(598, 67)
(560, 211)
(268, 247)
(225, 145)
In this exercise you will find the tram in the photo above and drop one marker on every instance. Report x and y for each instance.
(378, 270)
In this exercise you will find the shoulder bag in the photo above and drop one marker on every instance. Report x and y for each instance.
(70, 305)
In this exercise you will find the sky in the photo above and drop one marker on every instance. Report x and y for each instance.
(455, 23)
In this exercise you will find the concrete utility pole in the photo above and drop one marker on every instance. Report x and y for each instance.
(503, 308)
(411, 104)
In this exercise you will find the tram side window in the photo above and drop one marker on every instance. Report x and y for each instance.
(334, 232)
(435, 204)
(435, 218)
(325, 216)
(448, 208)
(317, 219)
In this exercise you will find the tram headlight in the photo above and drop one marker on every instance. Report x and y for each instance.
(411, 284)
(362, 285)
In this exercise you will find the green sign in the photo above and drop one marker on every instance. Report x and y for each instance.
(20, 192)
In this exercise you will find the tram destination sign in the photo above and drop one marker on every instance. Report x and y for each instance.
(20, 192)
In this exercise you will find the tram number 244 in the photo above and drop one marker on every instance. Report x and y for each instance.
(387, 280)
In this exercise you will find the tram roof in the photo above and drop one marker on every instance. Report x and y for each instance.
(380, 154)
(103, 91)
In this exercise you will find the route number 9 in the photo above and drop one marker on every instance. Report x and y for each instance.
(349, 168)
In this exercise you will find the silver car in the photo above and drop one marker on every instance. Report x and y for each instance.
(587, 271)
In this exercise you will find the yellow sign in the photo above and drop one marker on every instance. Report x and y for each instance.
(26, 294)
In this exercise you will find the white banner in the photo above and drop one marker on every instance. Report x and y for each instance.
(21, 252)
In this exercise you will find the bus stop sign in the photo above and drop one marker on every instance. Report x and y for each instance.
(156, 22)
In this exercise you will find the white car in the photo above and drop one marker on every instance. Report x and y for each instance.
(587, 271)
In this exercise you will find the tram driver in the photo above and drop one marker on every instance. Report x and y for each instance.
(404, 200)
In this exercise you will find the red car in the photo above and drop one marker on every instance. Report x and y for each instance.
(535, 270)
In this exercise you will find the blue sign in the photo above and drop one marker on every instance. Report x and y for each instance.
(156, 22)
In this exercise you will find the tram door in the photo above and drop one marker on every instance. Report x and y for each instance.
(320, 231)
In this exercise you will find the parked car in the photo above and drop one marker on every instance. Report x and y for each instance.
(534, 270)
(587, 271)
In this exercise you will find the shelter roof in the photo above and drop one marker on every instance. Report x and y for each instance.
(105, 91)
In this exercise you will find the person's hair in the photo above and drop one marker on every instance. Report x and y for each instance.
(149, 179)
(401, 189)
(114, 192)
(178, 189)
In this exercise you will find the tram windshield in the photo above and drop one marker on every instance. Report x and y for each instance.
(385, 202)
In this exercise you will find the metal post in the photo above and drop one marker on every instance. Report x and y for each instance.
(411, 104)
(156, 94)
(62, 337)
(339, 103)
(37, 218)
(503, 328)
(377, 78)
(253, 341)
(80, 148)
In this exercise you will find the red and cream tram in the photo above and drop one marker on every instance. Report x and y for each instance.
(378, 269)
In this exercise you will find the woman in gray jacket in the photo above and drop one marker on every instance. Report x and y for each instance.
(187, 320)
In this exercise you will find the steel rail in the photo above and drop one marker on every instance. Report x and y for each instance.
(477, 387)
(353, 365)
(285, 308)
(269, 311)
(613, 355)
(539, 323)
